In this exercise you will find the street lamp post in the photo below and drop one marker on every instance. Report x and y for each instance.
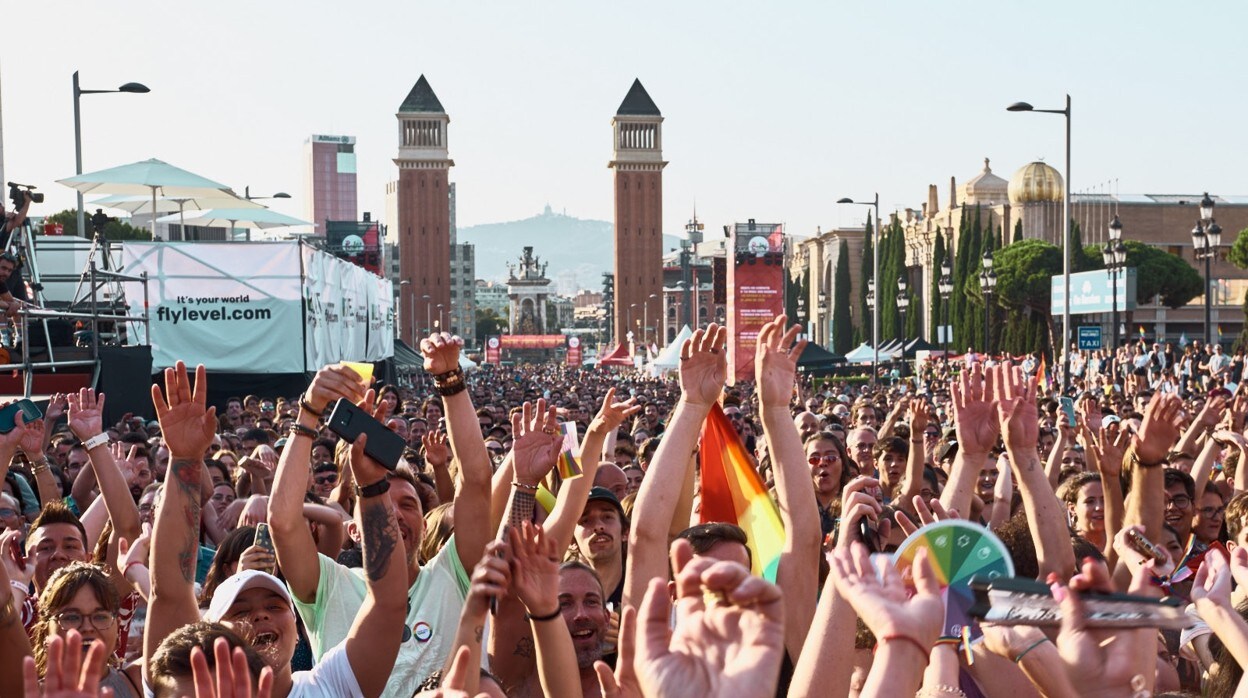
(875, 273)
(428, 312)
(131, 87)
(823, 310)
(645, 330)
(441, 318)
(1115, 257)
(1023, 106)
(903, 302)
(946, 292)
(247, 195)
(987, 282)
(1206, 239)
(629, 324)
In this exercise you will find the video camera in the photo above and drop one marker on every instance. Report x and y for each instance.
(18, 192)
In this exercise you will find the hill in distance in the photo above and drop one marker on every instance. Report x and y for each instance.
(581, 247)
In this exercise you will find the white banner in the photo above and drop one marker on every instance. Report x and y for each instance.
(213, 304)
(349, 311)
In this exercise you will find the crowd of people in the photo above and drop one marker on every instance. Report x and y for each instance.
(252, 552)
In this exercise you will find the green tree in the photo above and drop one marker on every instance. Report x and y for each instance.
(1024, 278)
(865, 275)
(1238, 254)
(842, 323)
(115, 230)
(961, 267)
(489, 323)
(933, 293)
(1018, 230)
(1157, 273)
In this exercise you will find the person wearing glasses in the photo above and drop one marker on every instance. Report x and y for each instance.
(81, 597)
(324, 479)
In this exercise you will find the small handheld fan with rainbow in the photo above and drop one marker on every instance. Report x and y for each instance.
(958, 551)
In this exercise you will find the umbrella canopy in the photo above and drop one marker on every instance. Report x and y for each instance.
(262, 218)
(170, 204)
(815, 359)
(153, 178)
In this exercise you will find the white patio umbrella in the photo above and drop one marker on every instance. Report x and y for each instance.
(169, 204)
(262, 218)
(148, 177)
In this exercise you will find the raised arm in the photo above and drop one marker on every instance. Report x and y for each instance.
(561, 524)
(703, 370)
(775, 370)
(1206, 421)
(1020, 424)
(472, 504)
(912, 481)
(974, 417)
(292, 540)
(31, 443)
(1146, 505)
(438, 458)
(372, 645)
(490, 581)
(535, 578)
(188, 426)
(86, 410)
(14, 643)
(1105, 454)
(534, 450)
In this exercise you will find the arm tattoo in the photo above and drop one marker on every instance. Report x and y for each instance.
(520, 508)
(478, 632)
(524, 648)
(381, 538)
(186, 476)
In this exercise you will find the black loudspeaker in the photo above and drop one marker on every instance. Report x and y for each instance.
(61, 332)
(126, 381)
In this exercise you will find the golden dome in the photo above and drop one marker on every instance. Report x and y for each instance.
(1036, 182)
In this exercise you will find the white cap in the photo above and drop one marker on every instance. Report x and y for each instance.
(236, 584)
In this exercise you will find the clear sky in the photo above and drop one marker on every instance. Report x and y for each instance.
(773, 109)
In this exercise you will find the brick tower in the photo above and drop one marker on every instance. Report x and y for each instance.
(638, 164)
(424, 218)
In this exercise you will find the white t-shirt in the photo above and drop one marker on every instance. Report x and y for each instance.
(434, 604)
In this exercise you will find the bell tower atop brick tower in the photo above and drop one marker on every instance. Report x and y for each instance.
(638, 164)
(424, 218)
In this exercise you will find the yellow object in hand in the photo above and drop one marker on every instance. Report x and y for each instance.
(364, 370)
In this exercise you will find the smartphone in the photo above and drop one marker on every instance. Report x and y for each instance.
(1068, 408)
(8, 416)
(1019, 601)
(264, 539)
(15, 549)
(384, 446)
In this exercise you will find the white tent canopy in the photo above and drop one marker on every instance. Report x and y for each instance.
(669, 358)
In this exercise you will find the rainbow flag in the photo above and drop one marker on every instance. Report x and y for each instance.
(569, 463)
(1141, 332)
(733, 492)
(1042, 375)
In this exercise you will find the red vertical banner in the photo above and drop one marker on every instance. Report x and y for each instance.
(755, 290)
(574, 351)
(493, 351)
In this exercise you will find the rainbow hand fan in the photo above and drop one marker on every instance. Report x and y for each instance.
(958, 550)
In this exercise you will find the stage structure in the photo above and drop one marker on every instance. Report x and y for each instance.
(756, 278)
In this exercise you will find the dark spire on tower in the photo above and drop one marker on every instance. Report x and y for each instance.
(636, 103)
(422, 100)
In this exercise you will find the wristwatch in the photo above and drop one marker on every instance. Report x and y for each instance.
(100, 439)
(376, 489)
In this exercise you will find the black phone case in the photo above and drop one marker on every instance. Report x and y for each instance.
(384, 446)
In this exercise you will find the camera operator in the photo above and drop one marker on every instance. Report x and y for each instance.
(15, 219)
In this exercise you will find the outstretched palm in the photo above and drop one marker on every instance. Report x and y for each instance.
(974, 406)
(536, 443)
(612, 414)
(775, 361)
(704, 366)
(185, 422)
(86, 413)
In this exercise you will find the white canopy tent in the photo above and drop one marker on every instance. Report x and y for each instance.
(669, 358)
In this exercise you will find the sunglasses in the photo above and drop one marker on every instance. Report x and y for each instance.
(329, 479)
(816, 459)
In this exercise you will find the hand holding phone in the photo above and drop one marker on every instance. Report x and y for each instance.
(349, 421)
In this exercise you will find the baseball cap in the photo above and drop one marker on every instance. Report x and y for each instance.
(602, 494)
(236, 584)
(1110, 419)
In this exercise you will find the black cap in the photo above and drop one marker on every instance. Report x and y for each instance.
(602, 494)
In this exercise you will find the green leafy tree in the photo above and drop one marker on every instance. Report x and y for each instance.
(1018, 230)
(865, 274)
(842, 323)
(115, 230)
(961, 268)
(1238, 254)
(1157, 274)
(933, 292)
(1024, 277)
(489, 323)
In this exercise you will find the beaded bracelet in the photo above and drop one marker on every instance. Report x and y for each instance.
(297, 429)
(304, 405)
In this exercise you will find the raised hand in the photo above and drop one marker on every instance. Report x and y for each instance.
(876, 591)
(56, 408)
(332, 383)
(491, 578)
(1090, 410)
(534, 568)
(127, 460)
(775, 362)
(974, 411)
(437, 453)
(29, 436)
(1016, 408)
(1159, 432)
(920, 415)
(623, 682)
(926, 515)
(704, 366)
(858, 500)
(1211, 414)
(68, 674)
(1134, 559)
(536, 443)
(1107, 453)
(728, 646)
(233, 676)
(441, 352)
(86, 413)
(135, 552)
(186, 423)
(257, 557)
(612, 414)
(1090, 658)
(16, 574)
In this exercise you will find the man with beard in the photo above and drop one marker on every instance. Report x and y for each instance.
(585, 611)
(327, 595)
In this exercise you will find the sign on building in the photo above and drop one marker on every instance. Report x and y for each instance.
(1091, 292)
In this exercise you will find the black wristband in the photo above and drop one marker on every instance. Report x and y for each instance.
(558, 612)
(298, 429)
(376, 489)
(303, 405)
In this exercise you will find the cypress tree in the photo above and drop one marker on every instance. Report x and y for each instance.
(1018, 230)
(961, 267)
(937, 304)
(974, 310)
(865, 274)
(842, 324)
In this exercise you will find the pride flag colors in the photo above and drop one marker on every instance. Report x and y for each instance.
(732, 492)
(569, 464)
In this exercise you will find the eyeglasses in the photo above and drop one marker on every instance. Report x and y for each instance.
(1210, 512)
(1180, 502)
(73, 620)
(933, 435)
(328, 479)
(6, 513)
(735, 416)
(816, 458)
